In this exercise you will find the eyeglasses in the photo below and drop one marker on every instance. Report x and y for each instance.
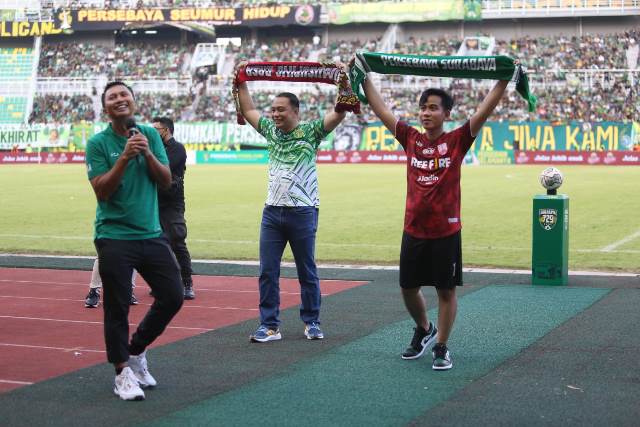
(159, 128)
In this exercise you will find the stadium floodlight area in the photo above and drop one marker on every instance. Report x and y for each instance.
(208, 55)
(20, 4)
(557, 8)
(477, 46)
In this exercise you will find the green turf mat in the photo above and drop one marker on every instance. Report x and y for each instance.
(366, 383)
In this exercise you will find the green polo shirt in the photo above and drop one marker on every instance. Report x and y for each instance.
(131, 212)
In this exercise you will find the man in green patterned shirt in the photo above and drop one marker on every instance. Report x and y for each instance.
(291, 210)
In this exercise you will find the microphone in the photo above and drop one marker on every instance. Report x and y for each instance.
(130, 124)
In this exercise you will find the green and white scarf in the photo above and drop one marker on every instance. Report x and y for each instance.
(469, 67)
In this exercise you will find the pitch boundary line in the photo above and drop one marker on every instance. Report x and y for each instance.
(76, 284)
(609, 248)
(360, 266)
(614, 245)
(89, 322)
(141, 303)
(67, 350)
(15, 382)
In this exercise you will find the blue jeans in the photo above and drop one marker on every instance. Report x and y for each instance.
(297, 226)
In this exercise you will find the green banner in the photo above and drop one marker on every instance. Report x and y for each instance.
(222, 136)
(33, 137)
(530, 136)
(406, 11)
(233, 157)
(543, 136)
(376, 137)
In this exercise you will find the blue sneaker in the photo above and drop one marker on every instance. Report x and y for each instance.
(313, 332)
(264, 334)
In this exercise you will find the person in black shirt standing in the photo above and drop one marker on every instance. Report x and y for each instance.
(171, 202)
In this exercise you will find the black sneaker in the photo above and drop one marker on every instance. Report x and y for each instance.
(441, 358)
(421, 340)
(188, 291)
(93, 298)
(134, 300)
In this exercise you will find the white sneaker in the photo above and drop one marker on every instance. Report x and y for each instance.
(127, 387)
(138, 365)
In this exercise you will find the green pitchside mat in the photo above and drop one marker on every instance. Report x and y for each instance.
(522, 355)
(365, 382)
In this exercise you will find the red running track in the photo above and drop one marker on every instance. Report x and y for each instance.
(46, 331)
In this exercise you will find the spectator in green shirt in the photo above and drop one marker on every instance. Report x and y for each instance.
(126, 163)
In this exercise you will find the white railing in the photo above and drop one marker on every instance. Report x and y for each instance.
(170, 86)
(14, 87)
(35, 53)
(19, 4)
(81, 86)
(539, 8)
(216, 85)
(222, 85)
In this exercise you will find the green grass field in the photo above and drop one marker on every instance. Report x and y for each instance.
(50, 209)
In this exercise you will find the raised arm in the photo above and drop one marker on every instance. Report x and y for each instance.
(379, 107)
(247, 108)
(487, 106)
(332, 120)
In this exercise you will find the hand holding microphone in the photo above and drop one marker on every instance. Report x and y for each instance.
(137, 144)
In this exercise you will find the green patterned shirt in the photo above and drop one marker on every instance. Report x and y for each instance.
(293, 180)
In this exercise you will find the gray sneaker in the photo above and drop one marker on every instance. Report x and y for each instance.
(93, 298)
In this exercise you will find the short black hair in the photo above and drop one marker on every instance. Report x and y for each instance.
(446, 99)
(293, 100)
(166, 122)
(116, 83)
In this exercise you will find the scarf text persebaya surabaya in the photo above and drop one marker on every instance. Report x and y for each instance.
(471, 67)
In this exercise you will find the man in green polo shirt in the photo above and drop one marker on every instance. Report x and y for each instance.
(126, 163)
(290, 214)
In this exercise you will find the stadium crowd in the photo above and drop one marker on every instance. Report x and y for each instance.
(62, 109)
(132, 60)
(143, 60)
(562, 97)
(617, 102)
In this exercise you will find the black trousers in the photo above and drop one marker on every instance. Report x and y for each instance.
(157, 265)
(175, 229)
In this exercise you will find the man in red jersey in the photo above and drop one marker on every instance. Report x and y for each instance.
(431, 252)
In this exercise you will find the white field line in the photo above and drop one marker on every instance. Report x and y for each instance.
(44, 319)
(84, 285)
(366, 267)
(15, 382)
(609, 248)
(233, 242)
(614, 245)
(189, 306)
(67, 350)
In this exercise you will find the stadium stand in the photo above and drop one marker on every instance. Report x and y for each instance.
(571, 65)
(16, 65)
(582, 60)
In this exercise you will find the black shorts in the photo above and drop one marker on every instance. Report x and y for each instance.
(431, 262)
